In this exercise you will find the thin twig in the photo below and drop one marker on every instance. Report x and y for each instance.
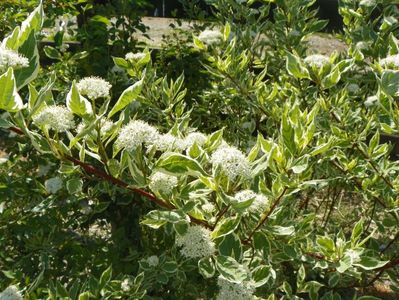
(115, 181)
(265, 217)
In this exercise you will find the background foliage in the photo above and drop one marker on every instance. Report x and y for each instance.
(312, 138)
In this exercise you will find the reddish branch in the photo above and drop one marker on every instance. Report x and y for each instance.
(367, 158)
(265, 217)
(90, 169)
(357, 183)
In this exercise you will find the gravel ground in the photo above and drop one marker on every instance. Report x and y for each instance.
(158, 27)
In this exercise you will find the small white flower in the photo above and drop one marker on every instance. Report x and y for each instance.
(317, 60)
(162, 183)
(244, 195)
(165, 142)
(136, 133)
(353, 88)
(353, 255)
(11, 293)
(195, 138)
(232, 162)
(53, 185)
(196, 242)
(126, 285)
(210, 37)
(135, 57)
(259, 203)
(100, 230)
(153, 261)
(237, 291)
(94, 87)
(390, 61)
(208, 207)
(10, 58)
(55, 117)
(371, 101)
(106, 126)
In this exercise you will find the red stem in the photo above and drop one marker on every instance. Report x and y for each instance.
(115, 181)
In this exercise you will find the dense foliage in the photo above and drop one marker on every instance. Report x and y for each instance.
(273, 177)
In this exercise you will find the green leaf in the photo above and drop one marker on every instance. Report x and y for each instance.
(282, 230)
(29, 49)
(206, 267)
(33, 23)
(120, 62)
(80, 55)
(390, 82)
(9, 98)
(85, 296)
(334, 279)
(170, 267)
(127, 97)
(326, 244)
(225, 226)
(226, 31)
(77, 103)
(295, 67)
(198, 43)
(52, 53)
(370, 263)
(261, 243)
(74, 185)
(231, 246)
(176, 163)
(230, 269)
(214, 140)
(157, 218)
(105, 277)
(357, 232)
(263, 274)
(11, 41)
(332, 79)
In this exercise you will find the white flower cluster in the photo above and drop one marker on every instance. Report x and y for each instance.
(371, 101)
(167, 141)
(210, 37)
(317, 60)
(196, 242)
(232, 162)
(94, 87)
(162, 183)
(136, 133)
(194, 138)
(260, 201)
(55, 117)
(208, 207)
(53, 185)
(135, 57)
(11, 293)
(126, 285)
(390, 61)
(237, 291)
(10, 58)
(353, 255)
(153, 261)
(106, 126)
(100, 230)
